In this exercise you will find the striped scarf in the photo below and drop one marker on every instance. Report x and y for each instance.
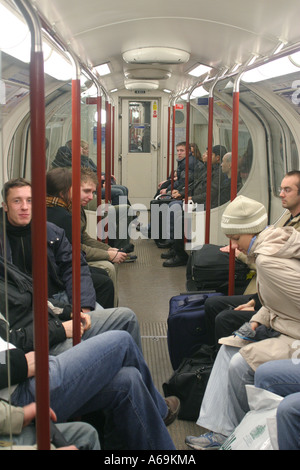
(53, 201)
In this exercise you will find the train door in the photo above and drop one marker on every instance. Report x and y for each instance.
(139, 149)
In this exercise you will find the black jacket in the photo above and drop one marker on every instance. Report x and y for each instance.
(59, 252)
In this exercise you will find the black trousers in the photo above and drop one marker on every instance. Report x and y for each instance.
(103, 286)
(221, 318)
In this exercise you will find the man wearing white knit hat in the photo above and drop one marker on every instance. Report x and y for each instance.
(275, 328)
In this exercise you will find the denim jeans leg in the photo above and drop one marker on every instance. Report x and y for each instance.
(121, 318)
(103, 320)
(281, 377)
(79, 375)
(129, 401)
(288, 423)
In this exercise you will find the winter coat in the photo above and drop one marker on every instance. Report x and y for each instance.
(94, 250)
(198, 189)
(286, 220)
(276, 252)
(59, 255)
(179, 183)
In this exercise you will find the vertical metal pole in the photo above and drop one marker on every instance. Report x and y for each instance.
(209, 165)
(234, 166)
(76, 233)
(99, 151)
(187, 149)
(39, 230)
(173, 148)
(168, 143)
(108, 152)
(113, 142)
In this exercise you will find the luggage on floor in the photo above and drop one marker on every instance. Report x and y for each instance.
(189, 380)
(159, 218)
(186, 325)
(208, 268)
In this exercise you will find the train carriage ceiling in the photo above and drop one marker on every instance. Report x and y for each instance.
(217, 33)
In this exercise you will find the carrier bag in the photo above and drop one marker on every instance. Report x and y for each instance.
(209, 269)
(258, 429)
(186, 325)
(189, 381)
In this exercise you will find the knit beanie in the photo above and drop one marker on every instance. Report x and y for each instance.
(244, 215)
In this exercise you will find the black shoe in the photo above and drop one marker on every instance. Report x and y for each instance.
(128, 248)
(170, 254)
(130, 258)
(174, 262)
(164, 244)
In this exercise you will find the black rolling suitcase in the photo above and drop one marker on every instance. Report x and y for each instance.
(186, 325)
(208, 268)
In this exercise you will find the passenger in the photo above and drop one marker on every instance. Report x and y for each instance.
(194, 149)
(59, 212)
(179, 183)
(117, 190)
(226, 314)
(18, 421)
(225, 190)
(276, 325)
(91, 246)
(107, 373)
(17, 205)
(59, 250)
(63, 158)
(283, 378)
(177, 256)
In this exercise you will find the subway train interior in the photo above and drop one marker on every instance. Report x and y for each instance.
(132, 80)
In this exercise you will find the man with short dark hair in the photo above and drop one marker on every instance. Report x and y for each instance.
(177, 255)
(17, 235)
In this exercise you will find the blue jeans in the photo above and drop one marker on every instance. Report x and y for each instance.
(283, 378)
(107, 372)
(102, 320)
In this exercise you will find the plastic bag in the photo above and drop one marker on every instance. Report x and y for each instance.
(257, 430)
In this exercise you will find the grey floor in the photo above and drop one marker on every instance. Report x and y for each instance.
(146, 287)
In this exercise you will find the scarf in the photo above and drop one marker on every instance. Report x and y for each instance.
(53, 201)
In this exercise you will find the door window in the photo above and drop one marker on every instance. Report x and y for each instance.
(139, 126)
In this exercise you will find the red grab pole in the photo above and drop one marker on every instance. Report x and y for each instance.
(76, 233)
(173, 148)
(209, 167)
(168, 143)
(108, 152)
(234, 166)
(39, 228)
(187, 151)
(99, 153)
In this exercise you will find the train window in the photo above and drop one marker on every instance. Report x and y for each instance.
(139, 126)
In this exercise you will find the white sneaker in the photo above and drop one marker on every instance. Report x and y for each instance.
(209, 441)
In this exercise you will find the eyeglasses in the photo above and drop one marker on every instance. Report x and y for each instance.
(286, 190)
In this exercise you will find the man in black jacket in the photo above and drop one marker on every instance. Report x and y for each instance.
(177, 255)
(17, 205)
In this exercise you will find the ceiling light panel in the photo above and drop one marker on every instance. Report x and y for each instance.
(156, 55)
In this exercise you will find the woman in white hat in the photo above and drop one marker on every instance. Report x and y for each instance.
(273, 332)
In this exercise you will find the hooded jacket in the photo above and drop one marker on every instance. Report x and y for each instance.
(276, 252)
